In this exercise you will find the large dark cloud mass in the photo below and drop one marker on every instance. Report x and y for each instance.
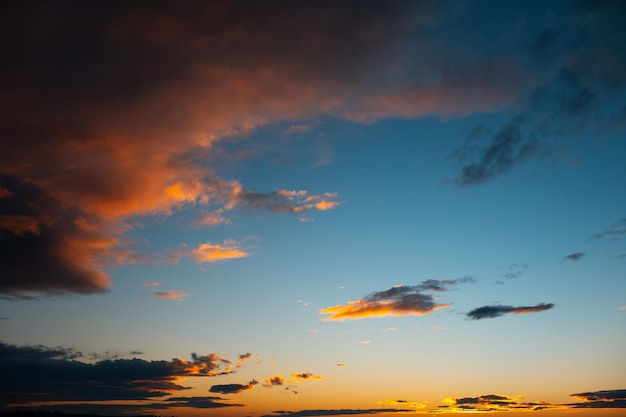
(114, 110)
(39, 373)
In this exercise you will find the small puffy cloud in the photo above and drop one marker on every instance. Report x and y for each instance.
(273, 381)
(212, 252)
(575, 256)
(176, 295)
(233, 388)
(438, 327)
(488, 312)
(622, 308)
(151, 284)
(397, 301)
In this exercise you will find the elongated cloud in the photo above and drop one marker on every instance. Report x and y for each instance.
(488, 312)
(233, 388)
(396, 301)
(576, 256)
(601, 399)
(208, 252)
(492, 402)
(176, 295)
(337, 412)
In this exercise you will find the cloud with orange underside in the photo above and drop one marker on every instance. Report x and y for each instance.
(148, 144)
(396, 301)
(208, 252)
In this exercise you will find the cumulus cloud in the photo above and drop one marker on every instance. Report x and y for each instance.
(488, 312)
(396, 301)
(273, 381)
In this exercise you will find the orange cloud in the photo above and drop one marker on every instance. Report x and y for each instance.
(306, 376)
(273, 381)
(176, 295)
(360, 309)
(151, 284)
(208, 252)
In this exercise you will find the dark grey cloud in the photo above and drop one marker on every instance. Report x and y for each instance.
(197, 402)
(576, 256)
(54, 374)
(233, 388)
(40, 245)
(399, 300)
(601, 399)
(487, 312)
(580, 84)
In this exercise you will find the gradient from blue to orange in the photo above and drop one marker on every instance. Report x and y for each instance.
(395, 206)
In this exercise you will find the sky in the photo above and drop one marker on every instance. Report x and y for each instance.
(313, 208)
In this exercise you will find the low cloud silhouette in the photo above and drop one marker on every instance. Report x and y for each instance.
(488, 312)
(55, 374)
(233, 388)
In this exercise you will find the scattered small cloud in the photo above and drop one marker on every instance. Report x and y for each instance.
(622, 308)
(306, 376)
(273, 381)
(341, 365)
(403, 403)
(389, 329)
(487, 312)
(151, 284)
(365, 342)
(176, 295)
(614, 231)
(313, 330)
(208, 252)
(306, 219)
(199, 402)
(438, 327)
(576, 256)
(336, 412)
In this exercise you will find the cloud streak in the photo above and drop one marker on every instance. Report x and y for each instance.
(488, 312)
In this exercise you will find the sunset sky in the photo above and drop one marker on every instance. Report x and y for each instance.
(313, 208)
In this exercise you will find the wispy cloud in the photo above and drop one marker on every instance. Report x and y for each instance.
(601, 399)
(491, 402)
(176, 295)
(151, 284)
(614, 231)
(488, 312)
(396, 301)
(576, 256)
